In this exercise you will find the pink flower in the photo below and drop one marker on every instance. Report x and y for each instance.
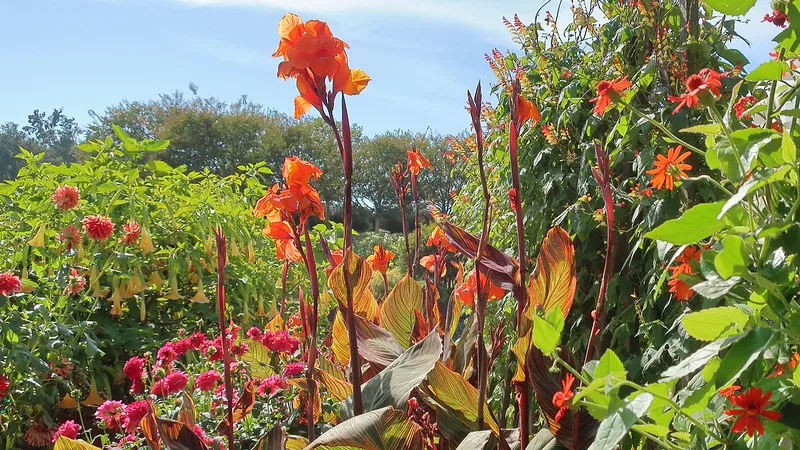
(66, 197)
(181, 346)
(134, 413)
(292, 369)
(207, 381)
(71, 235)
(255, 334)
(111, 413)
(4, 384)
(280, 341)
(98, 227)
(134, 368)
(75, 283)
(68, 429)
(9, 283)
(777, 18)
(271, 385)
(176, 381)
(197, 340)
(132, 231)
(167, 354)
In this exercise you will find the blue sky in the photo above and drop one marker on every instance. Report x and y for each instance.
(422, 54)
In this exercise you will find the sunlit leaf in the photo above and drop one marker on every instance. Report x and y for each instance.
(241, 407)
(553, 282)
(338, 389)
(375, 344)
(501, 268)
(258, 359)
(714, 323)
(176, 436)
(457, 396)
(65, 443)
(397, 313)
(382, 429)
(360, 274)
(187, 413)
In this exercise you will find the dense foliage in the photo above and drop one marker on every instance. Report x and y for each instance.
(614, 267)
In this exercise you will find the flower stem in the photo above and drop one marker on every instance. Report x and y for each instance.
(222, 258)
(665, 130)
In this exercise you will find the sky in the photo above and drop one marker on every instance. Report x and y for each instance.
(422, 55)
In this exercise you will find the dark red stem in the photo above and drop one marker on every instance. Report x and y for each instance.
(415, 193)
(311, 352)
(222, 257)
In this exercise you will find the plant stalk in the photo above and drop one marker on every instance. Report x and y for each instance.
(222, 257)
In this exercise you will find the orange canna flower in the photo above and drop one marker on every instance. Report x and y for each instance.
(429, 263)
(417, 161)
(313, 55)
(467, 291)
(528, 111)
(379, 259)
(609, 92)
(439, 240)
(298, 173)
(698, 88)
(667, 169)
(751, 409)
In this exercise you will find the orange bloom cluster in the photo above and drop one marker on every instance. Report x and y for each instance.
(313, 56)
(699, 89)
(439, 240)
(467, 291)
(669, 168)
(281, 206)
(417, 161)
(563, 396)
(678, 287)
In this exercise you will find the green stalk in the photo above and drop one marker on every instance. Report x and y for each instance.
(665, 130)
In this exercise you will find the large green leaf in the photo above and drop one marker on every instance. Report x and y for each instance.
(714, 323)
(742, 354)
(698, 359)
(715, 288)
(397, 313)
(609, 364)
(393, 385)
(382, 429)
(731, 7)
(616, 425)
(552, 284)
(770, 70)
(547, 331)
(698, 222)
(733, 258)
(476, 440)
(258, 359)
(543, 440)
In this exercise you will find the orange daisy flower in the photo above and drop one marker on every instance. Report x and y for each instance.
(669, 168)
(609, 92)
(698, 87)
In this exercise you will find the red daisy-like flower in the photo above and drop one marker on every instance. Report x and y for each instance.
(9, 283)
(39, 435)
(679, 288)
(4, 385)
(75, 283)
(698, 88)
(134, 413)
(271, 385)
(111, 413)
(132, 231)
(98, 227)
(292, 369)
(68, 429)
(66, 197)
(280, 341)
(609, 92)
(742, 105)
(751, 410)
(561, 397)
(134, 368)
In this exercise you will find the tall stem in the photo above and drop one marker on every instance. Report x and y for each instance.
(222, 257)
(311, 267)
(521, 293)
(415, 192)
(347, 162)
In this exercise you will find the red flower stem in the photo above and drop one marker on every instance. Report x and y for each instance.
(415, 192)
(284, 276)
(402, 202)
(222, 257)
(385, 285)
(602, 173)
(311, 353)
(480, 310)
(521, 293)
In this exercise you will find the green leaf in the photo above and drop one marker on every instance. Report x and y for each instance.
(732, 260)
(715, 288)
(382, 429)
(614, 427)
(65, 443)
(741, 355)
(475, 440)
(788, 148)
(796, 377)
(731, 7)
(609, 364)
(698, 359)
(258, 359)
(698, 222)
(709, 128)
(759, 178)
(456, 398)
(770, 70)
(651, 428)
(714, 323)
(547, 332)
(393, 385)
